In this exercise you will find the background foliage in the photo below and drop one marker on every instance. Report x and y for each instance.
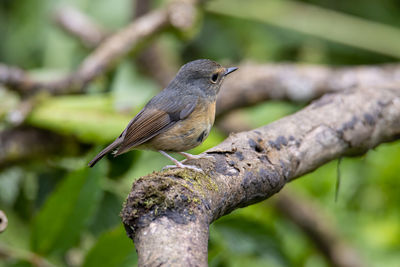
(64, 214)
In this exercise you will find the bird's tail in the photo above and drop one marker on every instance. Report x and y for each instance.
(105, 151)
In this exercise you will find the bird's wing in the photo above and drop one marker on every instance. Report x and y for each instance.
(152, 121)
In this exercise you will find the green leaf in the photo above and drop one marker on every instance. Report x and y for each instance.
(107, 217)
(67, 211)
(113, 248)
(89, 117)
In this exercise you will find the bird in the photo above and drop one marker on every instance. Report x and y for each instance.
(178, 118)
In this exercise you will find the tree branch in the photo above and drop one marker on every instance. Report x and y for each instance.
(91, 34)
(179, 14)
(251, 166)
(305, 214)
(152, 59)
(78, 24)
(256, 83)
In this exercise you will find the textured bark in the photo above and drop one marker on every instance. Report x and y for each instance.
(255, 83)
(192, 238)
(251, 166)
(305, 214)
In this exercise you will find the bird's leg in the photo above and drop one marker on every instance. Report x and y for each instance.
(191, 156)
(178, 164)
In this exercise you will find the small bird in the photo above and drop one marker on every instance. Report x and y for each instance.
(179, 118)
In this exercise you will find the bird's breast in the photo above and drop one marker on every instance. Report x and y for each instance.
(188, 133)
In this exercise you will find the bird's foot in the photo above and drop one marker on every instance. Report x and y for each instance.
(179, 164)
(183, 167)
(191, 156)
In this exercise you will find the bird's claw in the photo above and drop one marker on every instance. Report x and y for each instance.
(182, 166)
(190, 156)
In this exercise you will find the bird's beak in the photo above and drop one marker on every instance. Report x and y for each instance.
(230, 70)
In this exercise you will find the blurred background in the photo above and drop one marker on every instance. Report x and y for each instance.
(61, 213)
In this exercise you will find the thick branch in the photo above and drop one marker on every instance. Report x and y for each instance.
(255, 83)
(305, 214)
(251, 166)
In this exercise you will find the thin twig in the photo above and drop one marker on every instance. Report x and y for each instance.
(7, 252)
(153, 60)
(78, 24)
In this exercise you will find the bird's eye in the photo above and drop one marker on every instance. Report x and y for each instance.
(214, 78)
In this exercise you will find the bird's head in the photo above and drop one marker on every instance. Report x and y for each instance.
(202, 74)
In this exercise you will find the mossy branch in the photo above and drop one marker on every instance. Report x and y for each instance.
(168, 213)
